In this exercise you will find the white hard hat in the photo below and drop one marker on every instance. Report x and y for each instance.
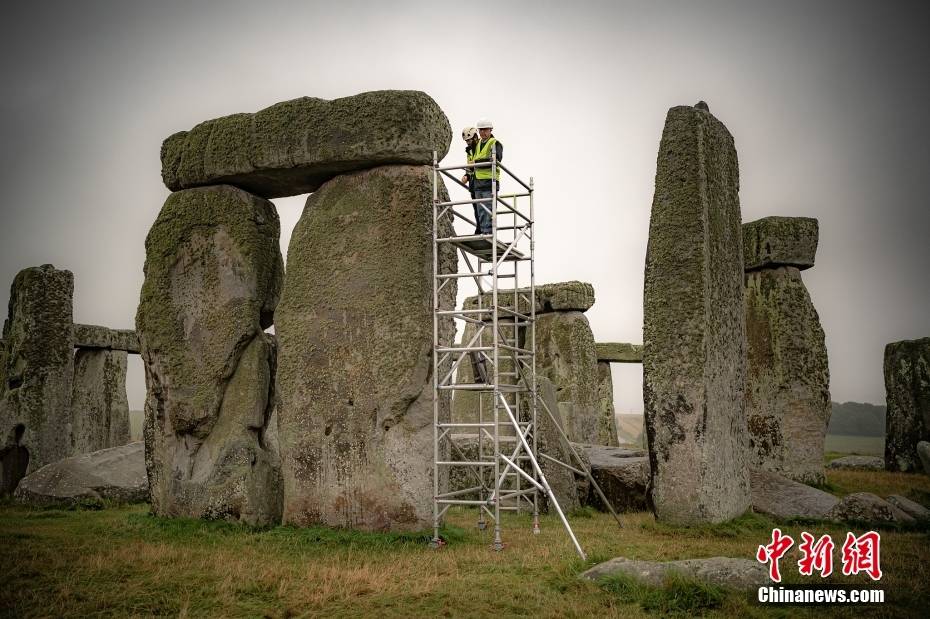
(469, 133)
(484, 123)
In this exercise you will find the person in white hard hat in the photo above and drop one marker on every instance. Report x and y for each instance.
(483, 180)
(470, 135)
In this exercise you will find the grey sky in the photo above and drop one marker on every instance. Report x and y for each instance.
(826, 101)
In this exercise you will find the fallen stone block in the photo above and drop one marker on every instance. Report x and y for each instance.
(94, 336)
(912, 508)
(722, 571)
(866, 507)
(295, 146)
(778, 496)
(869, 463)
(116, 474)
(907, 392)
(780, 241)
(694, 350)
(617, 352)
(622, 474)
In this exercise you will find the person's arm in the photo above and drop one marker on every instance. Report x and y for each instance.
(499, 150)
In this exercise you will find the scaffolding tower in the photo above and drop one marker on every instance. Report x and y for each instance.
(504, 468)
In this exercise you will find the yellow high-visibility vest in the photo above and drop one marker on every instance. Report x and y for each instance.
(482, 154)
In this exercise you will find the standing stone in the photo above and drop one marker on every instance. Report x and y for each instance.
(788, 380)
(35, 411)
(295, 146)
(355, 332)
(907, 391)
(99, 404)
(607, 417)
(694, 355)
(565, 354)
(213, 274)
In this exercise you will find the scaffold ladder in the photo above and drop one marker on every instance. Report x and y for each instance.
(502, 353)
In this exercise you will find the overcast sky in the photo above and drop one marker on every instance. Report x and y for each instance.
(827, 102)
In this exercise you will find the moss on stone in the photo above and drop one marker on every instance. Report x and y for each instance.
(355, 352)
(294, 146)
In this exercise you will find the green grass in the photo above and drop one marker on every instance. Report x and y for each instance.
(119, 561)
(860, 445)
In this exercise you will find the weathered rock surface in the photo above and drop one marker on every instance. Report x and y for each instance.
(607, 430)
(99, 404)
(572, 296)
(722, 571)
(619, 352)
(788, 381)
(93, 336)
(923, 453)
(622, 474)
(565, 354)
(870, 463)
(694, 352)
(907, 392)
(866, 507)
(213, 274)
(115, 474)
(295, 146)
(911, 508)
(38, 369)
(355, 336)
(783, 498)
(549, 441)
(780, 241)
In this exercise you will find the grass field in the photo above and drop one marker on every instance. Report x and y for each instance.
(122, 562)
(861, 445)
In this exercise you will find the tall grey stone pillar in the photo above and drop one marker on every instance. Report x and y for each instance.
(907, 392)
(694, 355)
(213, 273)
(355, 333)
(99, 402)
(788, 380)
(35, 397)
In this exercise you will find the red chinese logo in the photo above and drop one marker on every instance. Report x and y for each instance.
(861, 554)
(815, 556)
(773, 552)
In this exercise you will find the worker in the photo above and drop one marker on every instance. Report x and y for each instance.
(470, 135)
(483, 181)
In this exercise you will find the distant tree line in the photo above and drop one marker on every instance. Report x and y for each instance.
(857, 419)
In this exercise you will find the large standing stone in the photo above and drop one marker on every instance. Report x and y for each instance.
(213, 274)
(99, 404)
(295, 146)
(694, 354)
(788, 381)
(35, 411)
(565, 354)
(607, 416)
(355, 332)
(907, 391)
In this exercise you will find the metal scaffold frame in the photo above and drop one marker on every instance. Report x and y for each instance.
(503, 361)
